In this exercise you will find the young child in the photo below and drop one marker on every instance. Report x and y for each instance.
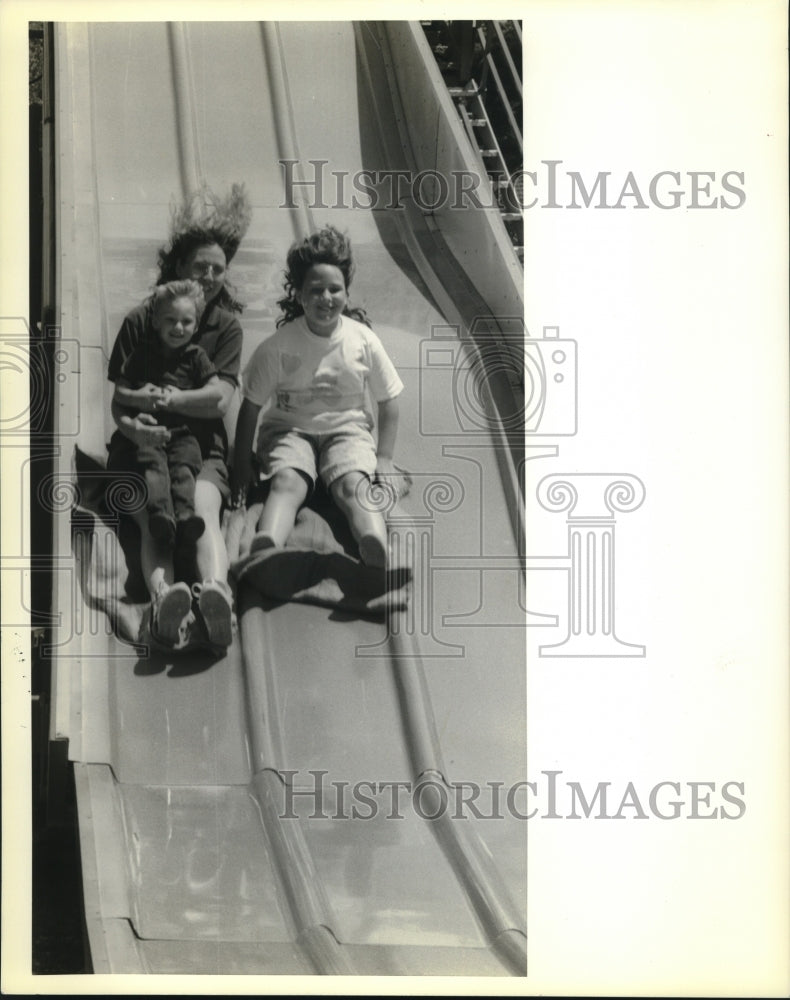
(318, 368)
(160, 364)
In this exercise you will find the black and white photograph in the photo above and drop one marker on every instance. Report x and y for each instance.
(394, 444)
(296, 244)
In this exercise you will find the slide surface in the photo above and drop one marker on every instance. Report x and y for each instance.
(335, 795)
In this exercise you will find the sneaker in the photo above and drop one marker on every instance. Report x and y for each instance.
(169, 608)
(215, 604)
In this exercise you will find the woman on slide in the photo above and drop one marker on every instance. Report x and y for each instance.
(205, 235)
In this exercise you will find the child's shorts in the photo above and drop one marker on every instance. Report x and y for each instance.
(330, 456)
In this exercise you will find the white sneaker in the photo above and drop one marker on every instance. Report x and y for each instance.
(169, 607)
(215, 604)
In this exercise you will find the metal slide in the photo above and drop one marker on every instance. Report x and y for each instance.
(271, 812)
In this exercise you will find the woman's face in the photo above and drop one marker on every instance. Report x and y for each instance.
(207, 266)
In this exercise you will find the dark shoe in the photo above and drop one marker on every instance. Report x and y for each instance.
(191, 528)
(162, 528)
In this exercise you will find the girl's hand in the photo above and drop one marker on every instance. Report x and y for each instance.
(170, 399)
(392, 478)
(385, 469)
(144, 430)
(384, 491)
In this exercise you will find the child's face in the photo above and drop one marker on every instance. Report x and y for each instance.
(323, 297)
(176, 322)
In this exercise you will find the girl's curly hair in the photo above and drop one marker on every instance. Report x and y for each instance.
(205, 220)
(326, 246)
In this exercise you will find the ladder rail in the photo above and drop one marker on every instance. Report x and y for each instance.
(477, 99)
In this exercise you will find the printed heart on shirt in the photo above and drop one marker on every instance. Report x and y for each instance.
(290, 363)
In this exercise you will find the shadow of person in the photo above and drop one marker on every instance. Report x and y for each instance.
(318, 565)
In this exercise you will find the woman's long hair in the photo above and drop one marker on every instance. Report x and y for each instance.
(205, 220)
(326, 246)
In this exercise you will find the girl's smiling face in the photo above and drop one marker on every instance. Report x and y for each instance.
(175, 322)
(323, 296)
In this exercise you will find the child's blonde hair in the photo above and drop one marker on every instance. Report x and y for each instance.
(182, 289)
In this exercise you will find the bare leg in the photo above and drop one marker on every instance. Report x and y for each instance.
(170, 602)
(286, 495)
(215, 601)
(210, 552)
(367, 525)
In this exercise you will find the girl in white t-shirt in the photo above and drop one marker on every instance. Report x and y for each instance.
(316, 370)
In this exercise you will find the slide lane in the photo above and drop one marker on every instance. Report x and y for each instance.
(186, 770)
(479, 520)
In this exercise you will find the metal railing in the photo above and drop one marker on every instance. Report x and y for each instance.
(481, 65)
